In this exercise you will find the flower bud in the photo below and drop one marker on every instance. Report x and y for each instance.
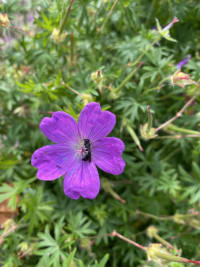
(114, 93)
(58, 37)
(147, 133)
(152, 231)
(97, 77)
(179, 218)
(181, 79)
(4, 20)
(187, 219)
(107, 185)
(87, 98)
(23, 246)
(160, 255)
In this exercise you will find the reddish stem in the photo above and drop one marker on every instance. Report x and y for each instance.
(114, 233)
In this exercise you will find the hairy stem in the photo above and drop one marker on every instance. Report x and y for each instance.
(109, 14)
(114, 233)
(135, 63)
(178, 114)
(63, 23)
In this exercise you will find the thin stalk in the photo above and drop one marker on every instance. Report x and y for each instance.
(72, 48)
(161, 218)
(114, 233)
(150, 118)
(9, 231)
(109, 14)
(73, 90)
(64, 21)
(164, 242)
(134, 136)
(172, 127)
(158, 87)
(135, 63)
(158, 253)
(179, 136)
(117, 196)
(178, 115)
(150, 12)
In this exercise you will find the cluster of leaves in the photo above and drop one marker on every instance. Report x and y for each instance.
(41, 74)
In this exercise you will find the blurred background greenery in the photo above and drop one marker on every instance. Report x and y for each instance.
(54, 57)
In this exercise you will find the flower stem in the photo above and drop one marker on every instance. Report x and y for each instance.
(179, 136)
(114, 233)
(164, 242)
(134, 136)
(63, 23)
(178, 115)
(72, 48)
(158, 253)
(117, 196)
(158, 87)
(135, 63)
(73, 90)
(150, 118)
(109, 14)
(191, 133)
(161, 218)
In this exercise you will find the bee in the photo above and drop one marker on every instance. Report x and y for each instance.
(87, 150)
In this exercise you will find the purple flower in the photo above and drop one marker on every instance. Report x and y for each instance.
(171, 24)
(183, 62)
(30, 18)
(78, 149)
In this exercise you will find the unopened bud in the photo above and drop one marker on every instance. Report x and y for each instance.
(181, 79)
(107, 185)
(114, 94)
(147, 133)
(4, 20)
(152, 231)
(87, 98)
(58, 37)
(157, 253)
(23, 246)
(97, 76)
(179, 218)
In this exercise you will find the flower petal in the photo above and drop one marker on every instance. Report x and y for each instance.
(95, 124)
(52, 161)
(82, 180)
(60, 128)
(106, 154)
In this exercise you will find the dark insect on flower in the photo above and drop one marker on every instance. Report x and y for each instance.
(78, 149)
(87, 150)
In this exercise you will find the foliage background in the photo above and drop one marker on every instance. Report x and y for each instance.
(38, 75)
